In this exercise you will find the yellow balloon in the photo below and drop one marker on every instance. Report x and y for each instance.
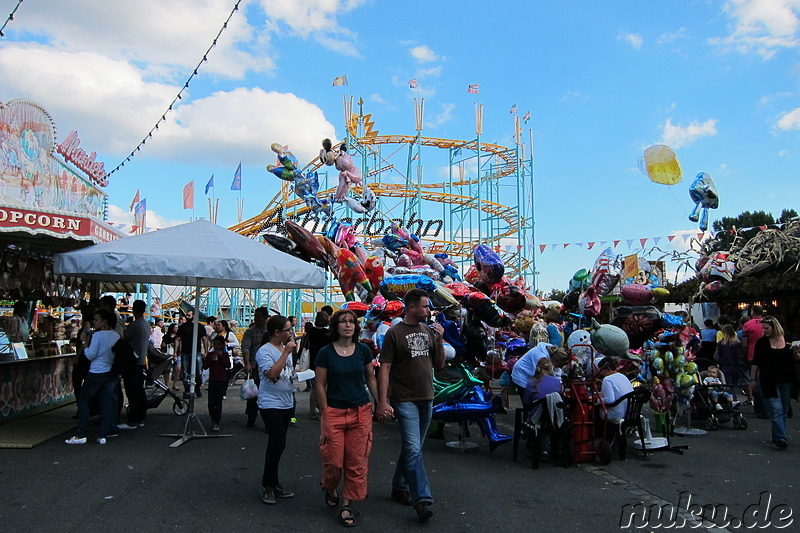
(661, 165)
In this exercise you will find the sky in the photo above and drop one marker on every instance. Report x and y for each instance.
(718, 81)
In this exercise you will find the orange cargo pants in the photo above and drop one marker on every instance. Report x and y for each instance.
(344, 445)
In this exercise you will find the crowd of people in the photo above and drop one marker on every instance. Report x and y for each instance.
(387, 374)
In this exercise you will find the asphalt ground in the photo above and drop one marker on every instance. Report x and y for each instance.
(138, 483)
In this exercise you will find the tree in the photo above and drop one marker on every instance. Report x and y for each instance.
(557, 295)
(728, 229)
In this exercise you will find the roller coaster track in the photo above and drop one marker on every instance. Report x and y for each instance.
(433, 192)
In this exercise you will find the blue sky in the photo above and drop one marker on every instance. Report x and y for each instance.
(717, 81)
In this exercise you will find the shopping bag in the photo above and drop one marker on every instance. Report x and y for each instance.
(305, 360)
(249, 390)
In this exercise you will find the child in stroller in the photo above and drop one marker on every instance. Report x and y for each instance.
(155, 389)
(717, 397)
(707, 397)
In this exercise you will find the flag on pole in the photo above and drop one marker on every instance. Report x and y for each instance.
(527, 117)
(135, 200)
(210, 184)
(188, 195)
(237, 179)
(338, 81)
(416, 157)
(472, 88)
(141, 208)
(513, 109)
(457, 152)
(138, 215)
(412, 84)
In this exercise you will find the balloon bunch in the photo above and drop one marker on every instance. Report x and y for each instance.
(703, 192)
(349, 174)
(306, 186)
(715, 271)
(466, 401)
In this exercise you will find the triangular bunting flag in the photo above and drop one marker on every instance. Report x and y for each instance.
(699, 236)
(643, 240)
(519, 248)
(630, 243)
(566, 244)
(687, 236)
(670, 237)
(553, 246)
(541, 248)
(656, 240)
(591, 245)
(616, 243)
(579, 244)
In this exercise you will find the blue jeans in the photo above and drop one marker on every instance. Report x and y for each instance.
(186, 369)
(103, 386)
(409, 474)
(777, 409)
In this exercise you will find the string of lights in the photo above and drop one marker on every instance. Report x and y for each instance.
(10, 18)
(179, 96)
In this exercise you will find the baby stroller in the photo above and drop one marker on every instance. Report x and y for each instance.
(155, 389)
(704, 407)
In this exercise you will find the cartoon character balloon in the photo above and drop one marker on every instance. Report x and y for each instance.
(349, 174)
(703, 192)
(661, 165)
(306, 186)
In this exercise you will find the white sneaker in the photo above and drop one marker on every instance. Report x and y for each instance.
(718, 407)
(76, 440)
(101, 440)
(125, 426)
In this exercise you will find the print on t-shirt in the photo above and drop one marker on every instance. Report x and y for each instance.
(418, 344)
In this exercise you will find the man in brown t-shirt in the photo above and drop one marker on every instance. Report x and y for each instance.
(410, 351)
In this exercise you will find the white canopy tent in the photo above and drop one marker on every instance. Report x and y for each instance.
(199, 254)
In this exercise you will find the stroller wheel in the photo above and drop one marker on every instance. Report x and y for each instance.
(740, 422)
(604, 452)
(180, 407)
(709, 424)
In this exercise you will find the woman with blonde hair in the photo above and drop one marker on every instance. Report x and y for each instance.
(729, 354)
(542, 383)
(773, 371)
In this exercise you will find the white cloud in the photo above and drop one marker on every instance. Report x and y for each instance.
(120, 215)
(375, 97)
(633, 39)
(783, 153)
(676, 136)
(245, 122)
(444, 115)
(672, 36)
(790, 120)
(424, 54)
(112, 107)
(106, 100)
(317, 19)
(574, 95)
(762, 27)
(171, 36)
(432, 72)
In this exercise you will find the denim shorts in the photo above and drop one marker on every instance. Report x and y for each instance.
(744, 373)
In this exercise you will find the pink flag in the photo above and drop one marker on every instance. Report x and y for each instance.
(188, 195)
(135, 200)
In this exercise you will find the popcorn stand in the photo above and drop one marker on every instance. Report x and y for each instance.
(50, 201)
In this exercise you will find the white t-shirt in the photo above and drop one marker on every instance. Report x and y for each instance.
(278, 395)
(614, 387)
(99, 351)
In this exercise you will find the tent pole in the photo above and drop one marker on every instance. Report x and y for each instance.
(191, 416)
